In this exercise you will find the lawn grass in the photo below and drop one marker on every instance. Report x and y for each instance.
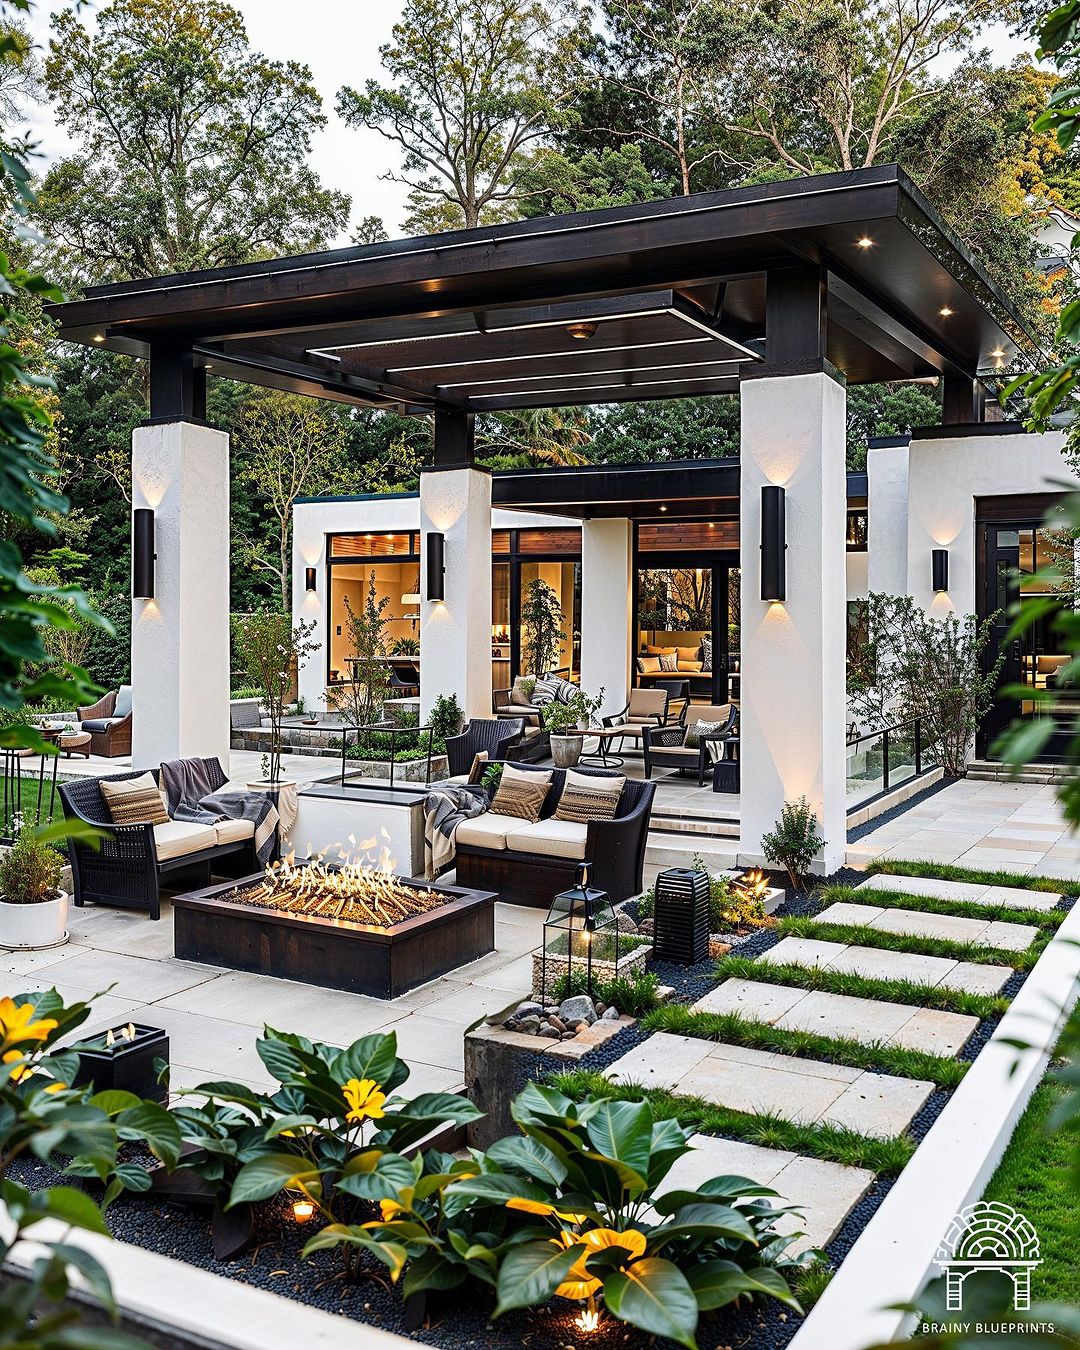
(1033, 1177)
(912, 992)
(929, 904)
(732, 1029)
(831, 1143)
(863, 935)
(979, 876)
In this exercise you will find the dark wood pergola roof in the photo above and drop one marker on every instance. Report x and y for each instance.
(664, 299)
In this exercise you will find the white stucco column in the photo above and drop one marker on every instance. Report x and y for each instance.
(180, 638)
(887, 519)
(792, 653)
(606, 618)
(455, 633)
(309, 550)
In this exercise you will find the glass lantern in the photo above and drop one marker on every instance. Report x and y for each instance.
(580, 926)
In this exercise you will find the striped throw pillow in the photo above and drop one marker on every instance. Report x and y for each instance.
(135, 801)
(582, 804)
(545, 692)
(519, 797)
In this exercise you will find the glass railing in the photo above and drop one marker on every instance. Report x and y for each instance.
(882, 760)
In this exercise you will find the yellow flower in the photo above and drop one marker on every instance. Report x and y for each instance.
(17, 1025)
(541, 1207)
(364, 1099)
(22, 1071)
(390, 1209)
(582, 1284)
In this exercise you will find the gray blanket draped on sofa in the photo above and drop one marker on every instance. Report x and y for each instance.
(193, 790)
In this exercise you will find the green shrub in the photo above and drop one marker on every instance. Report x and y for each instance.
(729, 909)
(793, 843)
(446, 717)
(634, 994)
(30, 872)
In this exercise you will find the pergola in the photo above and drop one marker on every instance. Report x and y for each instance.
(785, 292)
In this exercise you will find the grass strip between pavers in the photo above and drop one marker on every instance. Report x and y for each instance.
(931, 904)
(862, 935)
(876, 1056)
(914, 992)
(978, 876)
(830, 1143)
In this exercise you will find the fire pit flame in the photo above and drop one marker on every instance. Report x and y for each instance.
(354, 889)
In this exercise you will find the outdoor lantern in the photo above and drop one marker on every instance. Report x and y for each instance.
(579, 927)
(773, 544)
(436, 566)
(142, 553)
(123, 1059)
(939, 569)
(681, 916)
(309, 578)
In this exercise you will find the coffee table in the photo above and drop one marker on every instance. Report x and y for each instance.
(602, 755)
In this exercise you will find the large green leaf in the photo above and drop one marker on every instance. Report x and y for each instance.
(522, 1154)
(623, 1131)
(718, 1283)
(372, 1056)
(433, 1270)
(654, 1295)
(494, 1188)
(531, 1273)
(668, 1144)
(375, 1175)
(155, 1126)
(71, 1206)
(707, 1221)
(267, 1176)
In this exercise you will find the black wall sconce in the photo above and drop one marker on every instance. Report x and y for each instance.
(436, 567)
(309, 578)
(939, 568)
(142, 554)
(773, 545)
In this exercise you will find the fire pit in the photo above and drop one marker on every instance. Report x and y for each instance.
(345, 925)
(123, 1058)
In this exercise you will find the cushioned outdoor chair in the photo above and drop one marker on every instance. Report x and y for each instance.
(646, 708)
(127, 865)
(529, 862)
(535, 742)
(499, 736)
(667, 748)
(109, 723)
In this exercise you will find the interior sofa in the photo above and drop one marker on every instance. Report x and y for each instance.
(109, 723)
(535, 744)
(529, 863)
(127, 866)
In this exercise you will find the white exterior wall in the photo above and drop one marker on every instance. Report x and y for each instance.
(180, 639)
(887, 519)
(313, 521)
(792, 653)
(606, 610)
(944, 478)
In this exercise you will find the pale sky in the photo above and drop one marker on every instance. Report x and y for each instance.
(339, 41)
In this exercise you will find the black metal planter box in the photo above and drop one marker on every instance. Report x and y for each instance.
(334, 953)
(125, 1065)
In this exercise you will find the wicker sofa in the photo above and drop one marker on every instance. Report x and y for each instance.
(109, 723)
(128, 865)
(528, 864)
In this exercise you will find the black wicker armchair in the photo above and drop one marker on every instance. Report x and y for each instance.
(498, 736)
(615, 848)
(666, 748)
(122, 868)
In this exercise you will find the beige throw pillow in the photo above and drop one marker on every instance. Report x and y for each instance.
(586, 798)
(134, 801)
(521, 793)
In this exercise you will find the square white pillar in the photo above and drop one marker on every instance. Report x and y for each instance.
(792, 653)
(180, 639)
(455, 632)
(606, 614)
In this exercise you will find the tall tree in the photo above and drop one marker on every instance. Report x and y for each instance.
(192, 148)
(474, 84)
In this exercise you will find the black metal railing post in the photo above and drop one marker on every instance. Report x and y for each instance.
(885, 760)
(918, 747)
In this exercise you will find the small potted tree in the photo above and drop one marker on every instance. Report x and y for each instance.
(33, 908)
(568, 724)
(542, 633)
(272, 651)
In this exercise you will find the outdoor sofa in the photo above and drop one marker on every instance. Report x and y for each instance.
(109, 723)
(127, 866)
(668, 748)
(529, 863)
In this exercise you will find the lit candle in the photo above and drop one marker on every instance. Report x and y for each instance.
(303, 1210)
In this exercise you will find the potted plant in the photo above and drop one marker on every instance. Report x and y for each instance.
(33, 908)
(272, 651)
(542, 632)
(568, 724)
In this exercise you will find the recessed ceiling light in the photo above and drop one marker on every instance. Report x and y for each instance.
(865, 242)
(582, 331)
(945, 312)
(99, 337)
(663, 508)
(997, 352)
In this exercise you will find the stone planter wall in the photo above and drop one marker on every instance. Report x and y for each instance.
(631, 960)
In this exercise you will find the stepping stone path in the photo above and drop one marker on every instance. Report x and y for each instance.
(815, 1091)
(757, 1081)
(1013, 937)
(840, 1015)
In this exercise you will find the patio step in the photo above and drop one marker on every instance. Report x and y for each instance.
(708, 826)
(678, 850)
(989, 771)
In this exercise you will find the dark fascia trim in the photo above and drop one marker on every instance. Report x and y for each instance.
(357, 497)
(887, 442)
(453, 468)
(818, 365)
(965, 429)
(658, 466)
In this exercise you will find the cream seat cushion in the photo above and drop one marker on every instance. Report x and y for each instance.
(486, 831)
(552, 838)
(231, 831)
(677, 752)
(176, 838)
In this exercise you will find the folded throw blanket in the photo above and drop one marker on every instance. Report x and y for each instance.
(192, 789)
(444, 809)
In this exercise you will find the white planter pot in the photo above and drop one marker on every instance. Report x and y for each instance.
(26, 927)
(566, 750)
